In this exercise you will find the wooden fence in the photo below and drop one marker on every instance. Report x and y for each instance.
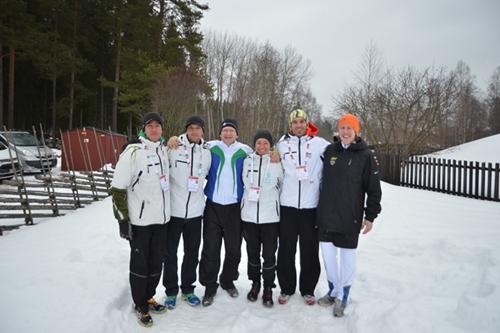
(465, 178)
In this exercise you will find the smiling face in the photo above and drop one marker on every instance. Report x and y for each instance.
(298, 127)
(347, 134)
(262, 146)
(153, 131)
(228, 135)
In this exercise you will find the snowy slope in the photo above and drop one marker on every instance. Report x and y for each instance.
(482, 150)
(431, 264)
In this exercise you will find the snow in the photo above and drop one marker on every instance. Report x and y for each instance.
(482, 150)
(431, 264)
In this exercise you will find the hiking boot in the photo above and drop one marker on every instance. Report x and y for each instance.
(326, 300)
(191, 299)
(156, 307)
(171, 301)
(143, 317)
(284, 298)
(267, 297)
(338, 308)
(253, 294)
(309, 299)
(233, 292)
(207, 300)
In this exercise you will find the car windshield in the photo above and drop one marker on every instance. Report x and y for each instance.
(21, 139)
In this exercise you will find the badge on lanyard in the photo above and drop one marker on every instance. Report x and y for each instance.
(193, 183)
(253, 194)
(164, 183)
(301, 173)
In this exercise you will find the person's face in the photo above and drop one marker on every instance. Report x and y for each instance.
(228, 135)
(153, 131)
(347, 134)
(262, 146)
(298, 127)
(194, 133)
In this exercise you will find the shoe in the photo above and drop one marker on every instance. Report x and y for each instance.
(156, 307)
(267, 298)
(253, 294)
(233, 292)
(284, 298)
(207, 300)
(171, 301)
(309, 299)
(338, 308)
(191, 299)
(326, 300)
(143, 317)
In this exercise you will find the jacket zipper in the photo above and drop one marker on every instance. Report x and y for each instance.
(142, 209)
(191, 173)
(162, 192)
(137, 180)
(258, 201)
(300, 164)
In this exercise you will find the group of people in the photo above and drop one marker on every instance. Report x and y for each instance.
(305, 190)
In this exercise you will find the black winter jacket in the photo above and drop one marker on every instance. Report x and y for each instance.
(348, 176)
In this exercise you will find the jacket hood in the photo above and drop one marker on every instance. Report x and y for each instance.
(312, 129)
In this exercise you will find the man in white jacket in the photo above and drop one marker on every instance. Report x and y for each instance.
(141, 204)
(189, 165)
(300, 151)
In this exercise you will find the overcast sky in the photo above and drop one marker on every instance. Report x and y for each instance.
(333, 34)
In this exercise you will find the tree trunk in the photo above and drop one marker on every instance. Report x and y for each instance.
(71, 98)
(54, 108)
(10, 107)
(114, 115)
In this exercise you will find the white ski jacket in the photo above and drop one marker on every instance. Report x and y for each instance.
(189, 160)
(258, 171)
(301, 158)
(139, 169)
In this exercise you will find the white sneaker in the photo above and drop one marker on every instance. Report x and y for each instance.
(309, 299)
(284, 298)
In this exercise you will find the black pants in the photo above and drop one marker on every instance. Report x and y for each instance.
(220, 222)
(263, 236)
(298, 223)
(147, 249)
(190, 229)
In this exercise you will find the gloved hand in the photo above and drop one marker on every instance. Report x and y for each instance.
(125, 230)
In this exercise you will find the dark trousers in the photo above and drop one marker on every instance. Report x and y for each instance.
(220, 222)
(263, 236)
(147, 249)
(298, 223)
(190, 229)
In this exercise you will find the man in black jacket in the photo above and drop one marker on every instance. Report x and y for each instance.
(350, 173)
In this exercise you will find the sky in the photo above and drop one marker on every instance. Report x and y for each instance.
(333, 34)
(430, 264)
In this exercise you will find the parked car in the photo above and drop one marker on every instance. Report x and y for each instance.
(6, 159)
(33, 156)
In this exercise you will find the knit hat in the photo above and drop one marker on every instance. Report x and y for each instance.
(351, 120)
(195, 120)
(229, 122)
(263, 134)
(298, 113)
(152, 116)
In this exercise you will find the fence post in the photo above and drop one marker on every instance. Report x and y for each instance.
(497, 182)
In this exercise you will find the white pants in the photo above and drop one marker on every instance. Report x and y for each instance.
(340, 265)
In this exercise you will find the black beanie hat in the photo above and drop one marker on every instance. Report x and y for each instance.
(196, 120)
(263, 134)
(229, 122)
(152, 116)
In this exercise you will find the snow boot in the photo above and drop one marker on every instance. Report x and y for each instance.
(267, 297)
(253, 294)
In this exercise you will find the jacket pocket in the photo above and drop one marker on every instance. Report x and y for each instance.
(142, 209)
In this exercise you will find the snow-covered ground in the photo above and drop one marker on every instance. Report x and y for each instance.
(482, 150)
(431, 264)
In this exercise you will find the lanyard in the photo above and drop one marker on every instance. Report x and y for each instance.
(190, 158)
(307, 156)
(252, 168)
